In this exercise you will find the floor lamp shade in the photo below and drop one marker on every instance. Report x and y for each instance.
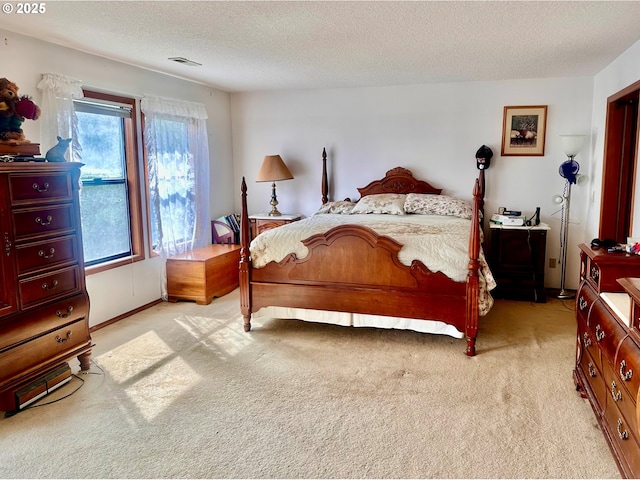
(273, 169)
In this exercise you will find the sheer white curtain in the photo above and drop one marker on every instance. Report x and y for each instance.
(175, 137)
(58, 115)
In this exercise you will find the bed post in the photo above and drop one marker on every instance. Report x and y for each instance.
(325, 182)
(473, 280)
(245, 261)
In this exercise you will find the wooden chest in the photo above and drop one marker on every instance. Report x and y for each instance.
(203, 273)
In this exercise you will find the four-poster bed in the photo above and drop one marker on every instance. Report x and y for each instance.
(354, 269)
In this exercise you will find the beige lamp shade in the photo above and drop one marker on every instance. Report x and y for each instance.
(273, 169)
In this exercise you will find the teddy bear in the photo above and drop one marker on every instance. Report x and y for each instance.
(14, 109)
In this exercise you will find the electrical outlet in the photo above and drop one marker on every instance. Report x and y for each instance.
(552, 263)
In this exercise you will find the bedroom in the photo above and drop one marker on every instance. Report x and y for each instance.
(416, 126)
(434, 129)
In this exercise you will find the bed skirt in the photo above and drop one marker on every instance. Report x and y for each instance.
(359, 320)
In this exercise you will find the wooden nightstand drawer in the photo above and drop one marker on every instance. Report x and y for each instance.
(262, 223)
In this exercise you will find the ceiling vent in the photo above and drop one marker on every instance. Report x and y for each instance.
(185, 61)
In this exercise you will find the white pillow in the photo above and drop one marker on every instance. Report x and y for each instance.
(389, 203)
(428, 204)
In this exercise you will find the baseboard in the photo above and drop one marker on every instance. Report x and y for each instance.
(124, 315)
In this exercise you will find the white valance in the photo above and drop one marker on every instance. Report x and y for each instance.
(61, 85)
(168, 106)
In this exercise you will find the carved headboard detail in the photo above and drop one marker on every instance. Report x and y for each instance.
(398, 180)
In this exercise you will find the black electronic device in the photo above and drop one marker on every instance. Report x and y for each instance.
(534, 220)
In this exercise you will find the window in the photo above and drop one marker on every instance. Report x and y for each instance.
(110, 193)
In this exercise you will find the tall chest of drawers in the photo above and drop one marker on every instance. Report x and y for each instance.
(44, 306)
(608, 353)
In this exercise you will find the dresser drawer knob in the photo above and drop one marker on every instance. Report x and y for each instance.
(52, 286)
(44, 222)
(63, 314)
(615, 395)
(60, 339)
(587, 339)
(7, 244)
(599, 333)
(42, 253)
(622, 434)
(592, 370)
(40, 189)
(626, 376)
(582, 303)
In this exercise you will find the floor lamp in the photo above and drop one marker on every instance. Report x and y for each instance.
(571, 145)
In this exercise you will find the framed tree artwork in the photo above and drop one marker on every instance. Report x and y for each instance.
(524, 130)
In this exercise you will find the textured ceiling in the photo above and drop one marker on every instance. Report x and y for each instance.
(267, 45)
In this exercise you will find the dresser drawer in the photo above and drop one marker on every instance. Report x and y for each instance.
(589, 344)
(17, 329)
(42, 288)
(624, 441)
(606, 330)
(50, 347)
(584, 300)
(40, 188)
(57, 219)
(46, 254)
(595, 380)
(627, 366)
(617, 395)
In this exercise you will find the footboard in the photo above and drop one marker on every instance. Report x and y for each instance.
(353, 269)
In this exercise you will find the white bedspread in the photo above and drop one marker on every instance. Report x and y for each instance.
(441, 243)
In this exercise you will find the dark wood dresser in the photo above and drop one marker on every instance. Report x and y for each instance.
(608, 349)
(44, 306)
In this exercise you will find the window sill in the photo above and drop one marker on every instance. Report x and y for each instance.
(113, 264)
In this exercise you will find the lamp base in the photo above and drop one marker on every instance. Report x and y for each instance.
(566, 294)
(274, 212)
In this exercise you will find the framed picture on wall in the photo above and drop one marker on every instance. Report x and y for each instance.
(524, 130)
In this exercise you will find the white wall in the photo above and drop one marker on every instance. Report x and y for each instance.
(121, 290)
(434, 130)
(621, 73)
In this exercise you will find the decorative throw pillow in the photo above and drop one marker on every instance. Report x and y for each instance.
(389, 203)
(343, 207)
(428, 204)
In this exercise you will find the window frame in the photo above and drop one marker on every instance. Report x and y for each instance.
(132, 184)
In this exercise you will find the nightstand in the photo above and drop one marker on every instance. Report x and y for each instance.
(516, 259)
(263, 222)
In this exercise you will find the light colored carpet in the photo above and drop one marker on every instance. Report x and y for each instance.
(181, 391)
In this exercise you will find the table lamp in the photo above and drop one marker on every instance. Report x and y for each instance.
(272, 170)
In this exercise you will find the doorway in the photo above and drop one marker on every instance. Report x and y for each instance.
(619, 166)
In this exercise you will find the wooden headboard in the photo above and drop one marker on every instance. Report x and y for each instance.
(398, 180)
